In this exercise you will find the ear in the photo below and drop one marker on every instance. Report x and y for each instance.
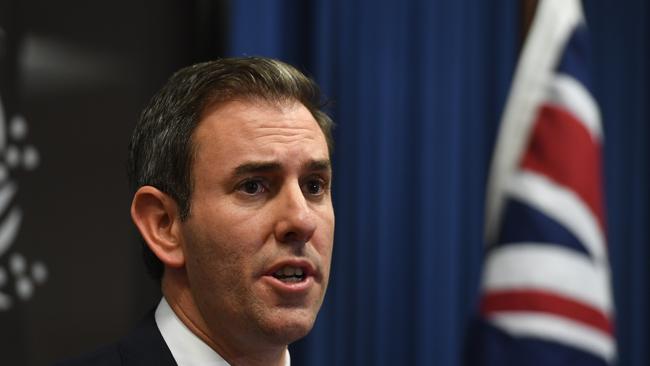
(156, 216)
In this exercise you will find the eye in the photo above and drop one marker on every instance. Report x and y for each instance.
(315, 186)
(252, 187)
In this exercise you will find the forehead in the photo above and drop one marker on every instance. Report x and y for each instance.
(259, 130)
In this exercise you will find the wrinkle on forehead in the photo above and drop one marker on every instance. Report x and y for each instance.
(260, 124)
(286, 124)
(283, 131)
(241, 133)
(266, 135)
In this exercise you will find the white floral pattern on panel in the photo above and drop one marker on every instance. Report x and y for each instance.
(15, 269)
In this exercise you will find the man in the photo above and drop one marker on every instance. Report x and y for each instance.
(231, 172)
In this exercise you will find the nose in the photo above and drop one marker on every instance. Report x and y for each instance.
(296, 222)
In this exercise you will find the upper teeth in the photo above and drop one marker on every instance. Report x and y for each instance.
(289, 271)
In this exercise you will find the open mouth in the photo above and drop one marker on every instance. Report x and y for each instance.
(290, 274)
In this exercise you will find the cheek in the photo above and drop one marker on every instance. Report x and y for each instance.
(326, 232)
(215, 266)
(225, 241)
(323, 241)
(324, 244)
(225, 223)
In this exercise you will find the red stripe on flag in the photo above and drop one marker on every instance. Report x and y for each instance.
(545, 302)
(562, 149)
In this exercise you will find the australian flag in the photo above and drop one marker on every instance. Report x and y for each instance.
(546, 296)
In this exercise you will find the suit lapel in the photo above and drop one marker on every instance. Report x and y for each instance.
(145, 346)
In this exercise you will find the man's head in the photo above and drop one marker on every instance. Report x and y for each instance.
(161, 152)
(231, 171)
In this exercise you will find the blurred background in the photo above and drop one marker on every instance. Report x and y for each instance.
(417, 90)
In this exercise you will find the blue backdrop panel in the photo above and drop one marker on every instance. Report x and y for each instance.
(418, 89)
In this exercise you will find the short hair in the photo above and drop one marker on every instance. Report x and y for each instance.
(161, 151)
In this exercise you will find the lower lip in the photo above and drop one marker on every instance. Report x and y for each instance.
(290, 287)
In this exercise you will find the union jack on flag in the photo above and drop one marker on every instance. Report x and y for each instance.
(546, 296)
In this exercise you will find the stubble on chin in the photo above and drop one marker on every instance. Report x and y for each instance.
(286, 326)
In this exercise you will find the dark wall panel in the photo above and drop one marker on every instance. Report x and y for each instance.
(74, 77)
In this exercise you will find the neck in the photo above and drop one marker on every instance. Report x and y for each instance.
(176, 290)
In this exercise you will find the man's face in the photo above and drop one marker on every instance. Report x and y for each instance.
(259, 237)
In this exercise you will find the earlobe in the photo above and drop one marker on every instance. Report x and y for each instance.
(156, 216)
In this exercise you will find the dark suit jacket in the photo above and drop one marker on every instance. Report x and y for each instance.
(143, 346)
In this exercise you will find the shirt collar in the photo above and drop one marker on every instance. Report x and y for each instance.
(185, 346)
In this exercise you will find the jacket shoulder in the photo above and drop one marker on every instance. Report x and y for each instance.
(105, 356)
(143, 346)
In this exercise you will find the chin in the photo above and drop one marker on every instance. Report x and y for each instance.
(289, 326)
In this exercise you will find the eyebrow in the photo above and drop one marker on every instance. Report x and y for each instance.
(266, 167)
(319, 165)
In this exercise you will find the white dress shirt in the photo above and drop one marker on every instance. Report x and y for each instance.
(186, 347)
